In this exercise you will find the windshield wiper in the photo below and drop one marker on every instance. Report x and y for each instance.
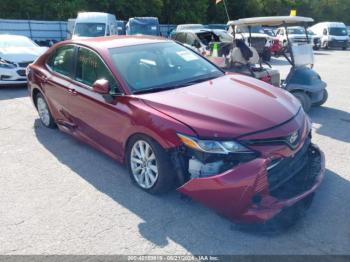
(174, 86)
(153, 89)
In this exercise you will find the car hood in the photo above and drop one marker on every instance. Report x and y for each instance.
(229, 106)
(21, 54)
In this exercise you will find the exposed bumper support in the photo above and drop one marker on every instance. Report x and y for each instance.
(232, 192)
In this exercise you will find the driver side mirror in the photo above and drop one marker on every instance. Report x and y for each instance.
(101, 86)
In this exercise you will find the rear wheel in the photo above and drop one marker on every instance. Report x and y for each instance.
(44, 112)
(324, 98)
(304, 100)
(149, 165)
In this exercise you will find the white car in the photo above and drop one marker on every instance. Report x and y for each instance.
(16, 53)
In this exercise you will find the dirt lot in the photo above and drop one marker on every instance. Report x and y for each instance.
(58, 196)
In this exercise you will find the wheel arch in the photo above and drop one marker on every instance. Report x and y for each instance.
(35, 93)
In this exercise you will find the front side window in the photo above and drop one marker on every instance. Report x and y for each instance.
(160, 66)
(90, 68)
(62, 60)
(89, 29)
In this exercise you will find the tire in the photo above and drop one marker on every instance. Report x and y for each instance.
(44, 112)
(304, 100)
(324, 99)
(142, 171)
(344, 48)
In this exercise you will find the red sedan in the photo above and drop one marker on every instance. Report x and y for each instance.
(236, 144)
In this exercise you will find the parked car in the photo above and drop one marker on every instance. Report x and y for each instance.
(16, 53)
(143, 26)
(234, 143)
(94, 24)
(332, 34)
(297, 35)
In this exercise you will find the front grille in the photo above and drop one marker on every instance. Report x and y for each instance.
(304, 179)
(24, 64)
(21, 72)
(338, 43)
(288, 167)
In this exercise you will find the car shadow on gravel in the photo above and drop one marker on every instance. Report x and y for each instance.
(333, 122)
(172, 218)
(11, 92)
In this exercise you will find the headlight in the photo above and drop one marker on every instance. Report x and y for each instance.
(213, 146)
(4, 64)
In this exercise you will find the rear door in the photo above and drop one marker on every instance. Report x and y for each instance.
(57, 85)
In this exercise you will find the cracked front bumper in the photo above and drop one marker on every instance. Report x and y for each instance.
(242, 193)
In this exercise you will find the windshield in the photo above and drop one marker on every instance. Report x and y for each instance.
(16, 42)
(143, 29)
(296, 31)
(161, 66)
(90, 29)
(338, 31)
(254, 29)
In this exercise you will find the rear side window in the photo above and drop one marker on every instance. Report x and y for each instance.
(90, 68)
(62, 60)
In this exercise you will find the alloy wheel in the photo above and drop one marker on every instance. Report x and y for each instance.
(144, 164)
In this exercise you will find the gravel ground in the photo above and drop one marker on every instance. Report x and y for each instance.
(59, 196)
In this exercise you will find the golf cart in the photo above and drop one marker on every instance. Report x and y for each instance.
(302, 81)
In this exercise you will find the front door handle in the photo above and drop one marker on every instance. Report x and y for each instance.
(72, 91)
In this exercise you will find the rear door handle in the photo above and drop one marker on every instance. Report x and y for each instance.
(72, 91)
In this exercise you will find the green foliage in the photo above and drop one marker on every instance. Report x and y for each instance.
(176, 11)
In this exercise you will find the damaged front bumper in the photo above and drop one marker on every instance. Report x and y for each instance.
(258, 190)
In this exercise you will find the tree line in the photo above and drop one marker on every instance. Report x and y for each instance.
(176, 11)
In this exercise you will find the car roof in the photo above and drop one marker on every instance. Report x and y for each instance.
(107, 42)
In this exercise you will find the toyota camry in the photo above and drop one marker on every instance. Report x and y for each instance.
(231, 142)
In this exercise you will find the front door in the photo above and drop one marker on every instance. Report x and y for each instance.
(98, 121)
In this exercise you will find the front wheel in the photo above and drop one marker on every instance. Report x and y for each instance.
(304, 100)
(149, 165)
(324, 98)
